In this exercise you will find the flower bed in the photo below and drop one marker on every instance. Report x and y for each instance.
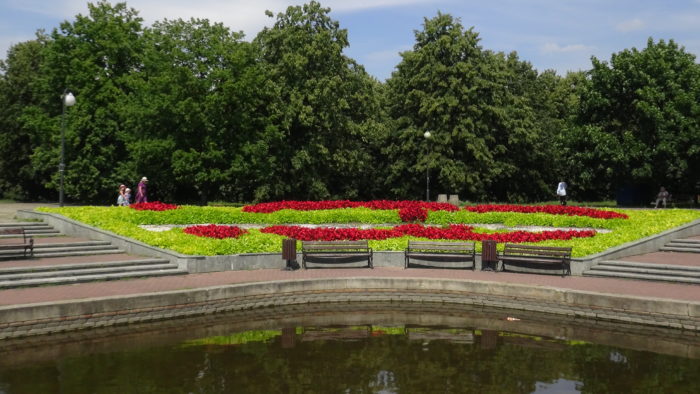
(215, 231)
(550, 209)
(452, 232)
(450, 223)
(413, 214)
(152, 206)
(269, 207)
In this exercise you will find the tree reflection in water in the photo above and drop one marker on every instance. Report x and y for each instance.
(357, 348)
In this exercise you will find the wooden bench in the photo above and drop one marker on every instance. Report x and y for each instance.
(532, 256)
(335, 252)
(25, 244)
(440, 252)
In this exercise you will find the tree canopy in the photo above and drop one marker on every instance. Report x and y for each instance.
(208, 115)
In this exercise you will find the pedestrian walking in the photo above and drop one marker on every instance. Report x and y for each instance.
(141, 191)
(561, 192)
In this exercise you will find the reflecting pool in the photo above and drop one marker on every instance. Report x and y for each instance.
(357, 348)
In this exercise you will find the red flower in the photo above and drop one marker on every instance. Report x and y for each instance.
(215, 231)
(413, 214)
(153, 206)
(550, 209)
(269, 207)
(454, 231)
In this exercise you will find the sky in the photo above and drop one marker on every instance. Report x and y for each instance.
(561, 35)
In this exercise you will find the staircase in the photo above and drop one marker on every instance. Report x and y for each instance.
(682, 245)
(33, 229)
(59, 259)
(654, 271)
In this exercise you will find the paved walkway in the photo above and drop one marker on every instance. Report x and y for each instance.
(643, 289)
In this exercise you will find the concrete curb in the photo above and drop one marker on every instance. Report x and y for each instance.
(46, 318)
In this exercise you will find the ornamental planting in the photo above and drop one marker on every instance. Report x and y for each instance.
(453, 232)
(215, 231)
(153, 206)
(550, 209)
(269, 207)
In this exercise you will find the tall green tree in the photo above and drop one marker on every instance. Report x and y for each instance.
(196, 110)
(474, 104)
(645, 104)
(20, 95)
(326, 108)
(92, 57)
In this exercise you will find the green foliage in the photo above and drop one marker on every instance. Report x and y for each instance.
(93, 57)
(207, 115)
(477, 105)
(641, 124)
(125, 221)
(326, 107)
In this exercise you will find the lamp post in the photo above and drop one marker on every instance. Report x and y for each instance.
(427, 135)
(68, 100)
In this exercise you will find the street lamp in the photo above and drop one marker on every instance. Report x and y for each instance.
(427, 135)
(68, 100)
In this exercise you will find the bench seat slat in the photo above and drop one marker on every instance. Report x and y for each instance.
(534, 254)
(335, 252)
(436, 251)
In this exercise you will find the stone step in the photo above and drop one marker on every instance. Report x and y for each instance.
(67, 253)
(46, 246)
(23, 224)
(62, 280)
(57, 268)
(83, 271)
(653, 266)
(682, 245)
(49, 250)
(41, 231)
(679, 249)
(647, 271)
(687, 241)
(656, 278)
(42, 235)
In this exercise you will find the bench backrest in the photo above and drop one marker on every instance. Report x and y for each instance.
(318, 246)
(8, 231)
(535, 250)
(441, 246)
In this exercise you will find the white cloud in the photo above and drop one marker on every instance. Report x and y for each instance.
(248, 16)
(630, 25)
(551, 47)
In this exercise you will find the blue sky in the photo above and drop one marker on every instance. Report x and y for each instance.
(551, 34)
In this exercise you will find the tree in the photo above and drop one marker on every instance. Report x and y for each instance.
(92, 57)
(474, 104)
(196, 104)
(326, 109)
(19, 98)
(648, 104)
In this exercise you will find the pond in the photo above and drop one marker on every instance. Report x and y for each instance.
(357, 348)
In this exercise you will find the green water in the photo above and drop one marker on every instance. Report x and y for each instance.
(357, 349)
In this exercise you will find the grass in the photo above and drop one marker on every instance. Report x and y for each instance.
(125, 221)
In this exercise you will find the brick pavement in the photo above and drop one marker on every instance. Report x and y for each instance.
(644, 289)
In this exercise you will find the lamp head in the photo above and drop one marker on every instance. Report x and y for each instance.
(427, 134)
(68, 99)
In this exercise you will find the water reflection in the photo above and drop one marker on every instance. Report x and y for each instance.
(357, 348)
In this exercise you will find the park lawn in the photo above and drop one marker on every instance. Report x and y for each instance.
(125, 221)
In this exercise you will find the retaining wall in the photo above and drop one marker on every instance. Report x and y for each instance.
(39, 319)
